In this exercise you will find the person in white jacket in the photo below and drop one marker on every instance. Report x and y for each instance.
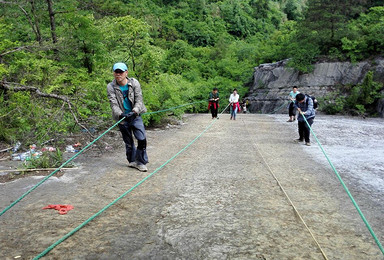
(234, 104)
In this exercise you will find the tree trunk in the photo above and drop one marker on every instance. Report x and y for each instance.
(52, 21)
(36, 25)
(87, 61)
(33, 26)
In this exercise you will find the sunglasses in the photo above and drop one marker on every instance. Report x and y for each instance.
(119, 71)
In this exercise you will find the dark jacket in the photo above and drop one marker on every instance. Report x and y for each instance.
(307, 108)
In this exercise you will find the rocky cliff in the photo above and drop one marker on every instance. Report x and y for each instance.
(273, 82)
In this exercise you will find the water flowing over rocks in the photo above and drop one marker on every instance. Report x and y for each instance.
(273, 82)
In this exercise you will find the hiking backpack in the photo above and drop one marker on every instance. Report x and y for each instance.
(315, 103)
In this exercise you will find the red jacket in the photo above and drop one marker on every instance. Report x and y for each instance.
(214, 104)
(237, 104)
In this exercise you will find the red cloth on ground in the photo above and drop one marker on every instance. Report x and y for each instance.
(63, 209)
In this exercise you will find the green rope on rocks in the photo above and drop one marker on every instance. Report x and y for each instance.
(124, 194)
(347, 190)
(81, 151)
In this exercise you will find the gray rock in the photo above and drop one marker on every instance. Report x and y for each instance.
(273, 82)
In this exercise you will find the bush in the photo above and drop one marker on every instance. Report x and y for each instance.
(360, 99)
(365, 35)
(333, 103)
(46, 160)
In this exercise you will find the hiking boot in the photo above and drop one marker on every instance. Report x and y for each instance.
(307, 143)
(289, 120)
(299, 140)
(141, 167)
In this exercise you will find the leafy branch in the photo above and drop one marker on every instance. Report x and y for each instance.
(16, 87)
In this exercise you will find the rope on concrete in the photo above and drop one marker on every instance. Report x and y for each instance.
(346, 189)
(81, 151)
(286, 195)
(125, 193)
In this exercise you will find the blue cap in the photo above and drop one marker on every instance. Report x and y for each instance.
(120, 66)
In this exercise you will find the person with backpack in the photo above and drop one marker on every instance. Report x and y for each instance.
(126, 100)
(304, 105)
(291, 106)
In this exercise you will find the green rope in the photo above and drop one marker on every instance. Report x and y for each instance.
(81, 151)
(58, 169)
(123, 195)
(347, 190)
(173, 108)
(274, 111)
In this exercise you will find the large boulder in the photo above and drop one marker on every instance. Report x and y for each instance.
(273, 82)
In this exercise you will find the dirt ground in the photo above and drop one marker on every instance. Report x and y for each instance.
(215, 200)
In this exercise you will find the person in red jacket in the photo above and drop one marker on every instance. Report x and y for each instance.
(214, 102)
(234, 104)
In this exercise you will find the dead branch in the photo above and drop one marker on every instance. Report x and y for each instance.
(29, 48)
(15, 49)
(12, 86)
(6, 149)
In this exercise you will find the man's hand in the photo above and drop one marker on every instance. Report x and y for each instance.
(301, 111)
(128, 116)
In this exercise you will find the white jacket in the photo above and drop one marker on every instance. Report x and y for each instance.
(234, 98)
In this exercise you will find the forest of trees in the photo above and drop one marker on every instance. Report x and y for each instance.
(56, 56)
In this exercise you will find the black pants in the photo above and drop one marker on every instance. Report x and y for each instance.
(291, 110)
(136, 126)
(304, 130)
(214, 110)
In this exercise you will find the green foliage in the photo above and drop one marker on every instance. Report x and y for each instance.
(46, 160)
(333, 103)
(81, 38)
(293, 9)
(359, 100)
(337, 30)
(365, 34)
(178, 50)
(304, 54)
(364, 96)
(328, 19)
(279, 44)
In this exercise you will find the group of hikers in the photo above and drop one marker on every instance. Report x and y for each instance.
(297, 102)
(234, 104)
(126, 100)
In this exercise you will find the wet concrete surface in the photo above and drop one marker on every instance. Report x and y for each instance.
(216, 200)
